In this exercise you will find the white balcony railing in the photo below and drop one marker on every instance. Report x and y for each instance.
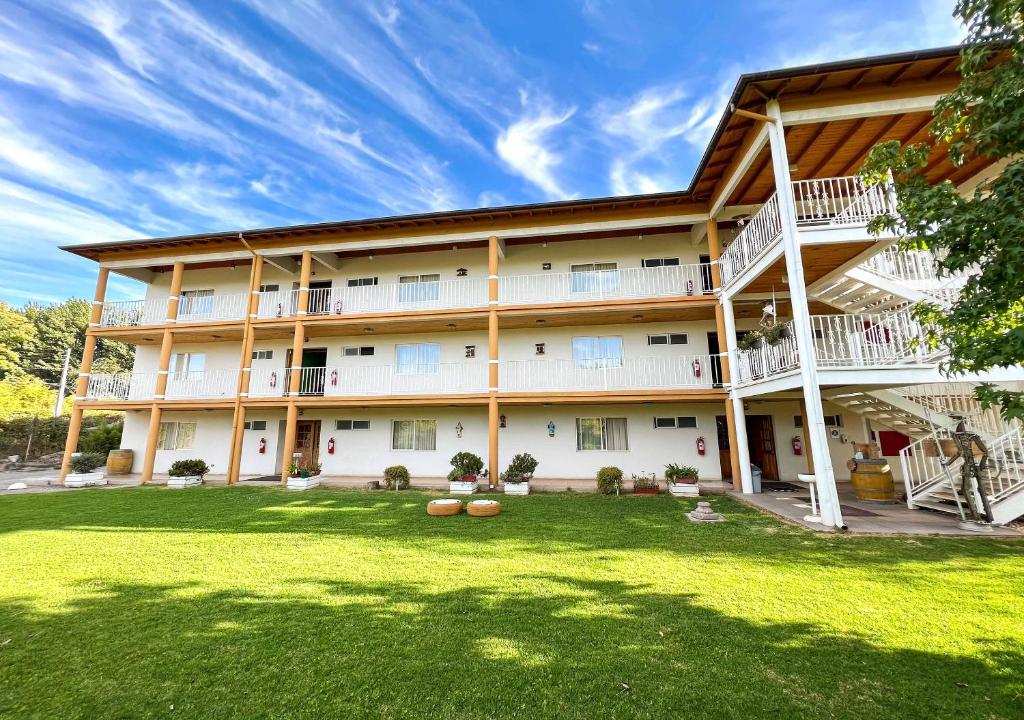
(918, 270)
(121, 386)
(131, 313)
(832, 202)
(388, 297)
(375, 380)
(202, 384)
(649, 373)
(213, 307)
(671, 281)
(268, 382)
(766, 360)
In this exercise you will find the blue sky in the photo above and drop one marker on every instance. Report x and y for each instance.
(124, 119)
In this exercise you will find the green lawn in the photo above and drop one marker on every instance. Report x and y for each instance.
(256, 603)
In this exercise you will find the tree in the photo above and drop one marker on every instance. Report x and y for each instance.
(16, 334)
(984, 230)
(63, 325)
(24, 395)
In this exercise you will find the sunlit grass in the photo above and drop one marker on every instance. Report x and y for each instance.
(252, 602)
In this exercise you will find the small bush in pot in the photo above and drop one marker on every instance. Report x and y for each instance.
(609, 480)
(521, 469)
(188, 468)
(645, 484)
(776, 333)
(685, 474)
(396, 476)
(465, 466)
(752, 339)
(87, 462)
(303, 469)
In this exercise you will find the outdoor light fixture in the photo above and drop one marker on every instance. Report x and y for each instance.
(551, 428)
(501, 421)
(461, 272)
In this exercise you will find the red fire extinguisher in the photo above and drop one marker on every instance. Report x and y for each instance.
(337, 307)
(696, 368)
(330, 446)
(273, 379)
(334, 378)
(689, 287)
(700, 446)
(798, 445)
(263, 446)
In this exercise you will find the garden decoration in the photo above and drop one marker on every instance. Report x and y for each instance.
(444, 508)
(704, 513)
(483, 508)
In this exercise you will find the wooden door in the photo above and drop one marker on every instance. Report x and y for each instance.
(761, 439)
(307, 440)
(724, 452)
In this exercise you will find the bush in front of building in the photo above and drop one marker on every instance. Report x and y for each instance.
(465, 464)
(101, 439)
(87, 462)
(396, 476)
(609, 480)
(521, 468)
(188, 468)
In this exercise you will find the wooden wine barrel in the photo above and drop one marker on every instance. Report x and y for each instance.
(119, 462)
(872, 480)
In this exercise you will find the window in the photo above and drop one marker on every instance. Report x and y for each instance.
(176, 435)
(601, 434)
(417, 359)
(196, 302)
(262, 354)
(273, 287)
(363, 350)
(675, 422)
(255, 424)
(352, 425)
(668, 339)
(362, 282)
(661, 262)
(418, 288)
(187, 365)
(414, 434)
(596, 278)
(833, 421)
(589, 353)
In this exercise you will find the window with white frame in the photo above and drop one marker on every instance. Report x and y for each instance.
(833, 421)
(419, 288)
(589, 353)
(269, 287)
(184, 366)
(352, 425)
(255, 424)
(356, 351)
(196, 302)
(414, 434)
(362, 282)
(176, 435)
(262, 354)
(602, 433)
(417, 359)
(591, 278)
(668, 339)
(686, 421)
(661, 262)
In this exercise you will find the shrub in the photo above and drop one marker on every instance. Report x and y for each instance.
(303, 468)
(775, 333)
(102, 439)
(749, 340)
(679, 473)
(183, 468)
(645, 482)
(520, 469)
(396, 475)
(465, 463)
(87, 462)
(609, 480)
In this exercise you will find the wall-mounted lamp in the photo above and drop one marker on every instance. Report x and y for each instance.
(551, 428)
(501, 421)
(461, 272)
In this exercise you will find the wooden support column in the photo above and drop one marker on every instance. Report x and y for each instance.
(84, 371)
(177, 274)
(715, 252)
(244, 372)
(291, 420)
(152, 436)
(304, 274)
(493, 411)
(295, 373)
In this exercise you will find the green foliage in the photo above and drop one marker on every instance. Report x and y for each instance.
(25, 395)
(303, 468)
(645, 482)
(47, 434)
(609, 480)
(677, 473)
(465, 463)
(87, 462)
(521, 468)
(396, 475)
(101, 439)
(750, 340)
(773, 334)
(16, 334)
(982, 118)
(185, 468)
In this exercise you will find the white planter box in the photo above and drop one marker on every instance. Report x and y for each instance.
(522, 488)
(301, 483)
(684, 489)
(184, 481)
(80, 480)
(462, 487)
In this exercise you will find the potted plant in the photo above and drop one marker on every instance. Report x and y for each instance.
(682, 479)
(303, 475)
(609, 480)
(187, 473)
(465, 473)
(645, 485)
(751, 341)
(83, 470)
(396, 477)
(774, 334)
(519, 473)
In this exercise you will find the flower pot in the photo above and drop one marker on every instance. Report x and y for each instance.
(463, 487)
(89, 479)
(645, 491)
(517, 488)
(303, 483)
(184, 481)
(684, 489)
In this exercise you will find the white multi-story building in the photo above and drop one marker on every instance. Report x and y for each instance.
(587, 333)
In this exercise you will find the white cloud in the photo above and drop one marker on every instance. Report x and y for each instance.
(525, 146)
